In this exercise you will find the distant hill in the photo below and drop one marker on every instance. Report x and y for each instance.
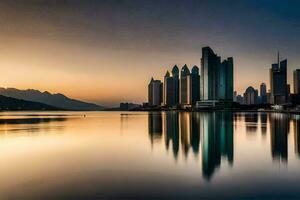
(12, 104)
(55, 100)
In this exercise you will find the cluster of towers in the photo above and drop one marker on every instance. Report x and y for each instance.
(186, 88)
(279, 92)
(181, 89)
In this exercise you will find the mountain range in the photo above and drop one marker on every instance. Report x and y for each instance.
(53, 100)
(12, 104)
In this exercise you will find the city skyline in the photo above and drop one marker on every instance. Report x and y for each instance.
(101, 43)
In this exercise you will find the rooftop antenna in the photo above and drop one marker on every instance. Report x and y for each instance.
(278, 58)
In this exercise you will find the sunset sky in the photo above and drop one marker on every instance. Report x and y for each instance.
(106, 51)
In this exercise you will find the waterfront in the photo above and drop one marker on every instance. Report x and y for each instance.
(140, 155)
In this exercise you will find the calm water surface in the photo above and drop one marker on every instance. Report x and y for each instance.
(169, 155)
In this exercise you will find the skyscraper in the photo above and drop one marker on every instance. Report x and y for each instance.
(175, 75)
(168, 90)
(185, 86)
(209, 74)
(296, 76)
(216, 77)
(263, 93)
(155, 92)
(225, 80)
(171, 88)
(194, 85)
(250, 96)
(278, 82)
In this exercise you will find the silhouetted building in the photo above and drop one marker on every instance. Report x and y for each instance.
(288, 90)
(155, 92)
(185, 86)
(225, 80)
(234, 96)
(210, 64)
(296, 76)
(278, 82)
(240, 99)
(168, 90)
(216, 77)
(250, 96)
(175, 74)
(194, 85)
(269, 97)
(263, 93)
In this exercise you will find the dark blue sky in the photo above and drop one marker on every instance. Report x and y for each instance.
(141, 38)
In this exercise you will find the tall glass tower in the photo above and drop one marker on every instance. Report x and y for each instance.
(185, 85)
(194, 85)
(216, 77)
(278, 82)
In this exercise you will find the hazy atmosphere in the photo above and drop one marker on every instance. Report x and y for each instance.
(106, 51)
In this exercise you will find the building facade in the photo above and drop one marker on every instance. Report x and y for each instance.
(175, 75)
(155, 92)
(185, 86)
(168, 91)
(278, 82)
(216, 77)
(250, 96)
(210, 63)
(194, 85)
(263, 93)
(225, 80)
(296, 77)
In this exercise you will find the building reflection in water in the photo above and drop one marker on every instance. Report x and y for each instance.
(263, 123)
(279, 126)
(251, 120)
(155, 126)
(212, 135)
(215, 130)
(171, 129)
(217, 140)
(296, 123)
(195, 132)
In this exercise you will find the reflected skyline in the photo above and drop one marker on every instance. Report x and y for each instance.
(210, 136)
(149, 155)
(185, 131)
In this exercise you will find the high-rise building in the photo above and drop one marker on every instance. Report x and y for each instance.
(263, 93)
(216, 77)
(296, 76)
(175, 75)
(194, 85)
(171, 88)
(168, 90)
(185, 86)
(210, 64)
(250, 96)
(155, 93)
(240, 99)
(225, 80)
(234, 96)
(278, 82)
